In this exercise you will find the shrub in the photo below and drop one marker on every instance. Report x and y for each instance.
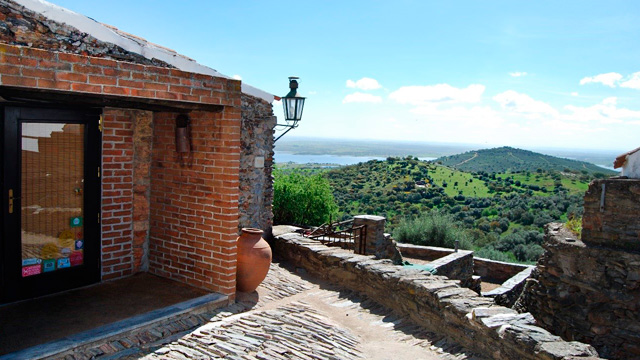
(575, 226)
(302, 199)
(432, 229)
(493, 254)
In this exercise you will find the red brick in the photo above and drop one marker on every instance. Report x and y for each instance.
(155, 86)
(46, 64)
(18, 80)
(102, 80)
(86, 87)
(71, 76)
(17, 60)
(10, 49)
(73, 58)
(9, 70)
(87, 69)
(130, 83)
(102, 62)
(116, 90)
(38, 73)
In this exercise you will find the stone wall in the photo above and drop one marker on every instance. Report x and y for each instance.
(509, 292)
(587, 293)
(611, 209)
(21, 26)
(458, 266)
(256, 164)
(489, 270)
(434, 302)
(377, 242)
(497, 271)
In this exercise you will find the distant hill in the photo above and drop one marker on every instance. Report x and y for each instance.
(510, 159)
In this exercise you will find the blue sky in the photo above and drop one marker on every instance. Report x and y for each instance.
(528, 74)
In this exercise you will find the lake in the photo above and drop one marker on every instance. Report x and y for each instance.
(283, 157)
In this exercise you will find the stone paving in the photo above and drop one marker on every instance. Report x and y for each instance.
(292, 316)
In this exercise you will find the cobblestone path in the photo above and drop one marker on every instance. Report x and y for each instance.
(297, 317)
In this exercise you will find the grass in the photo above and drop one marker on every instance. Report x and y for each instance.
(574, 185)
(575, 226)
(467, 184)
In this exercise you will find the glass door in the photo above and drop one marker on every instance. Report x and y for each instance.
(51, 175)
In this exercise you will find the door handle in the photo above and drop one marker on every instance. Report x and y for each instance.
(11, 199)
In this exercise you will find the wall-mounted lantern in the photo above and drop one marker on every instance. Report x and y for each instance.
(293, 105)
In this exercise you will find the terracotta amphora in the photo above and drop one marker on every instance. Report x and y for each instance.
(254, 258)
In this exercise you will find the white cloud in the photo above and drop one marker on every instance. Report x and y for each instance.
(518, 73)
(575, 93)
(515, 102)
(608, 79)
(237, 77)
(607, 112)
(440, 93)
(632, 81)
(364, 84)
(359, 97)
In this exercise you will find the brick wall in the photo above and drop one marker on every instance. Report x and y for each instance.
(194, 201)
(77, 74)
(117, 194)
(192, 204)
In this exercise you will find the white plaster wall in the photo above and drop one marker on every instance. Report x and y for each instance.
(631, 168)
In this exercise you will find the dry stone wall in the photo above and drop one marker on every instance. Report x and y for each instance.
(587, 293)
(489, 270)
(434, 302)
(256, 164)
(612, 214)
(589, 289)
(21, 26)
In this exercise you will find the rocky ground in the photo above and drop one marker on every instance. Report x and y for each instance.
(294, 316)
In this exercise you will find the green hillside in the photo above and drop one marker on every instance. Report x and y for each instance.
(500, 215)
(508, 159)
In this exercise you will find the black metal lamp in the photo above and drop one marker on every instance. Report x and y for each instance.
(293, 105)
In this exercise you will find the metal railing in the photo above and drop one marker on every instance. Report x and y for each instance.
(343, 234)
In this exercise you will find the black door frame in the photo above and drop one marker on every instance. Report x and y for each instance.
(12, 285)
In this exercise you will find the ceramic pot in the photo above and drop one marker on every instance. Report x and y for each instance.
(254, 258)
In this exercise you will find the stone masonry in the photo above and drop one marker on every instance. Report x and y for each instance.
(589, 290)
(256, 164)
(611, 214)
(378, 243)
(435, 302)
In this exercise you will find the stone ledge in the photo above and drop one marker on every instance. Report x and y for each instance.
(489, 270)
(509, 291)
(434, 302)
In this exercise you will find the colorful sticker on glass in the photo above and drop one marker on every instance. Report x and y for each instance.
(31, 261)
(48, 265)
(76, 221)
(65, 252)
(76, 258)
(31, 270)
(79, 244)
(63, 263)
